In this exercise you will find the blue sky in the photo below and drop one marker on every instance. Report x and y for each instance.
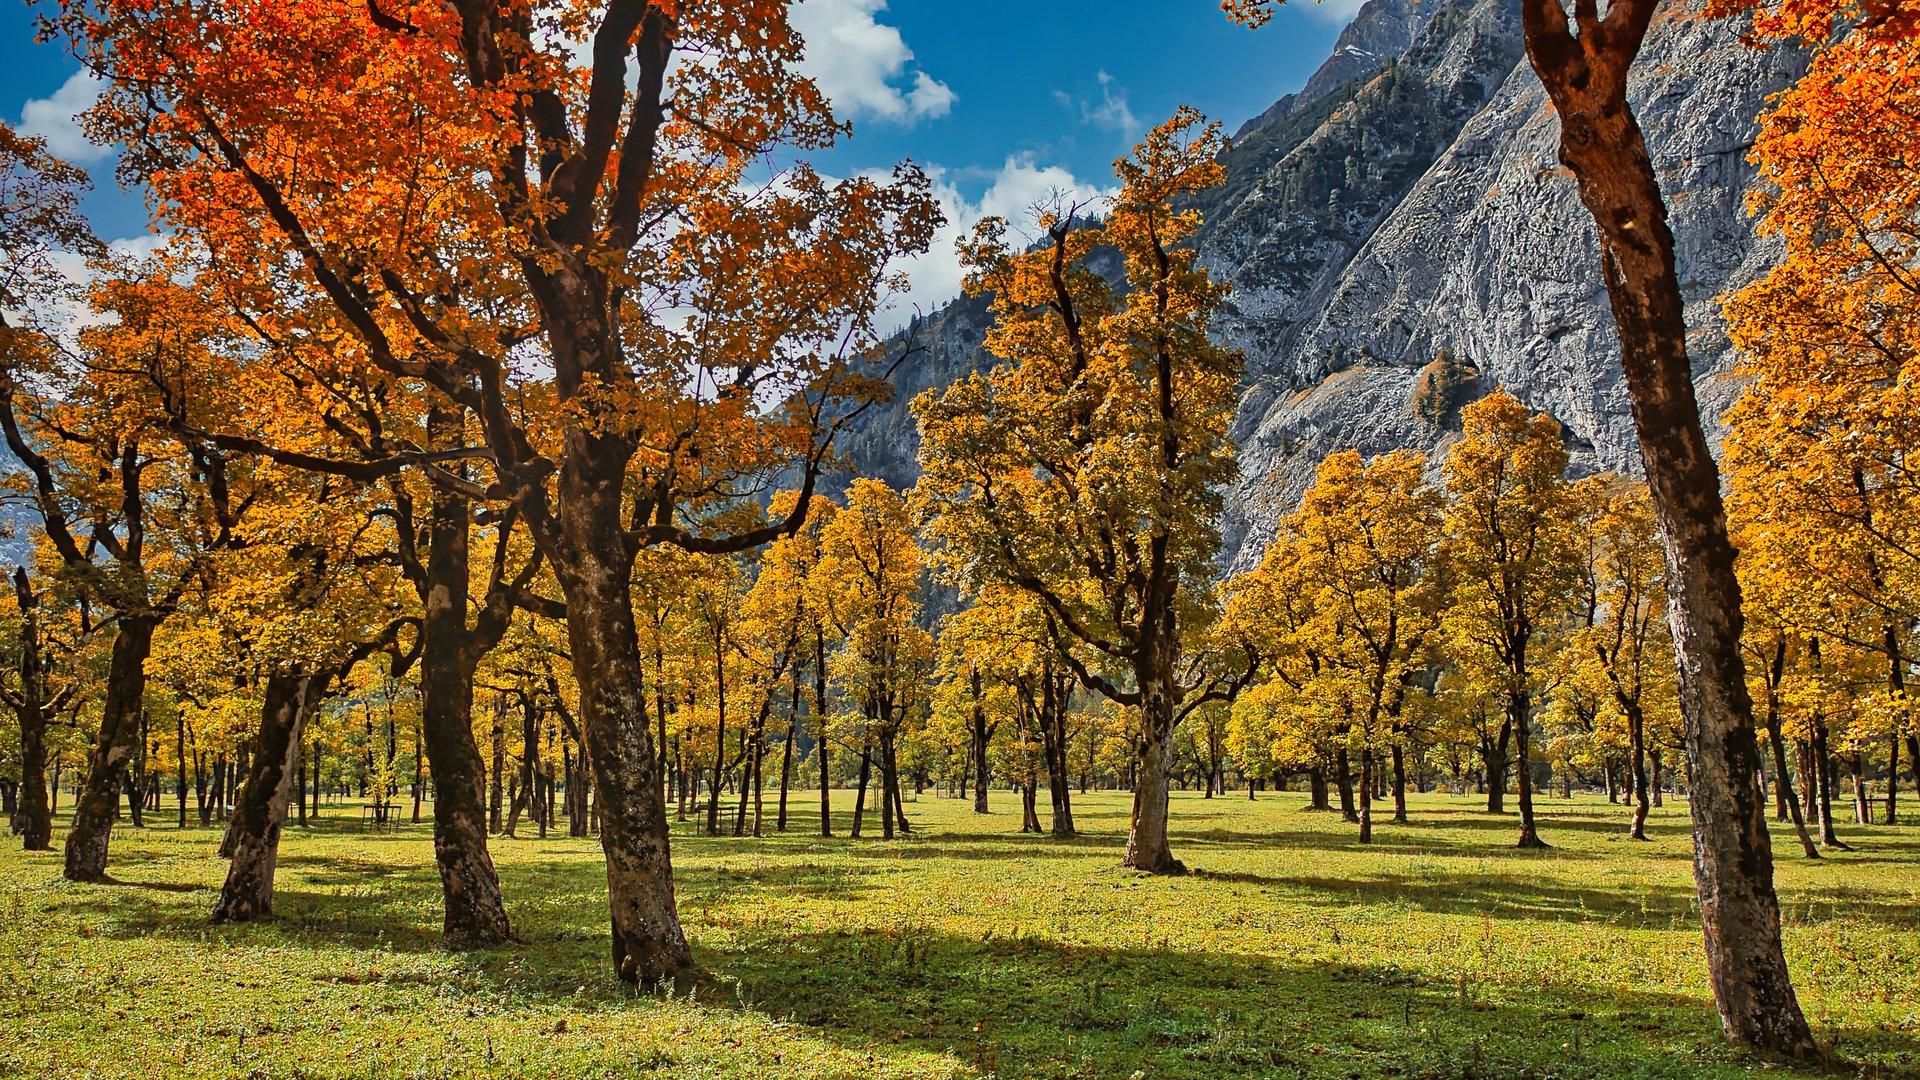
(1001, 100)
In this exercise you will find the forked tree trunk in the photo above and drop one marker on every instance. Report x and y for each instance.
(255, 835)
(1601, 142)
(860, 794)
(93, 810)
(1053, 726)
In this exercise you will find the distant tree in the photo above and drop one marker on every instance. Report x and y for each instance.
(1508, 551)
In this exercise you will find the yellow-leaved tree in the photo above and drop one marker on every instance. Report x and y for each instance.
(1085, 468)
(1509, 553)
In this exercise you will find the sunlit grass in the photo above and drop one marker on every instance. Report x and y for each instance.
(963, 950)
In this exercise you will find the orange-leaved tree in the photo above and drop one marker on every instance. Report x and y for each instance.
(585, 226)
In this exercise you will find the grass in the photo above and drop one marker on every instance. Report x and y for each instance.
(965, 950)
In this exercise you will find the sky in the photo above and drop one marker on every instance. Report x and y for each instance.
(1001, 101)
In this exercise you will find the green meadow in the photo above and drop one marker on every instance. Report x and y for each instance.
(963, 950)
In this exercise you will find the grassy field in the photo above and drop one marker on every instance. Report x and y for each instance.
(964, 950)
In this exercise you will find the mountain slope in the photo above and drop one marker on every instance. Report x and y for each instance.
(1407, 206)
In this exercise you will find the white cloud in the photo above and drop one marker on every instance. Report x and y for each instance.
(68, 317)
(1110, 113)
(1336, 12)
(859, 63)
(56, 118)
(1014, 191)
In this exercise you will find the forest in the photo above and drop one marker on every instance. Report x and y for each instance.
(451, 637)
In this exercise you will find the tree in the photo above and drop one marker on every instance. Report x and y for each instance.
(1508, 525)
(1625, 638)
(871, 566)
(39, 216)
(1370, 536)
(699, 330)
(87, 423)
(1085, 468)
(1601, 143)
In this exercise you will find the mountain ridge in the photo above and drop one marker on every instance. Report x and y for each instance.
(1392, 213)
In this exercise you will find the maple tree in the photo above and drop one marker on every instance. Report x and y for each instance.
(1370, 536)
(1622, 647)
(1508, 531)
(871, 569)
(704, 324)
(1085, 467)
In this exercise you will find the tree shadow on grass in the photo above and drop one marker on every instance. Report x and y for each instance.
(1029, 1007)
(157, 886)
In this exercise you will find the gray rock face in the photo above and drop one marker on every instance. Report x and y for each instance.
(1387, 214)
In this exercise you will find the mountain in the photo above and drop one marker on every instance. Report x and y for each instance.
(1401, 237)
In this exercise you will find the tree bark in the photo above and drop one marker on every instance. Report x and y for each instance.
(91, 830)
(786, 752)
(980, 735)
(1520, 717)
(648, 944)
(1636, 736)
(1053, 727)
(1399, 785)
(475, 913)
(1601, 142)
(289, 700)
(820, 730)
(1783, 784)
(34, 817)
(1343, 780)
(1147, 846)
(1366, 794)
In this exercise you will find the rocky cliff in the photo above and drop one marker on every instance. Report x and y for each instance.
(1401, 237)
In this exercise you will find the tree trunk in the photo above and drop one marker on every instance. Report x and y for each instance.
(248, 892)
(1893, 779)
(91, 830)
(820, 730)
(860, 794)
(1366, 794)
(1783, 783)
(1399, 785)
(1053, 728)
(474, 913)
(1494, 755)
(1317, 788)
(1343, 780)
(978, 741)
(594, 567)
(34, 817)
(1856, 772)
(1520, 717)
(1602, 144)
(1147, 846)
(786, 752)
(1636, 737)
